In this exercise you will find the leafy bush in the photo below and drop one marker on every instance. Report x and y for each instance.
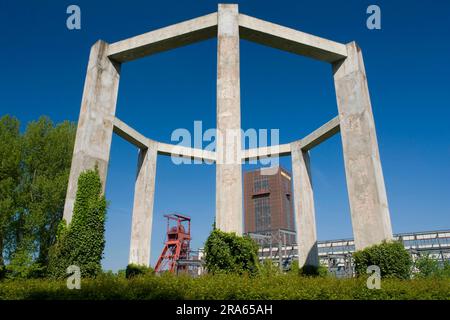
(229, 253)
(134, 270)
(81, 243)
(268, 268)
(391, 257)
(320, 271)
(2, 272)
(428, 267)
(23, 266)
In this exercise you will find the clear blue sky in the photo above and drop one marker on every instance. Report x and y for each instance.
(43, 67)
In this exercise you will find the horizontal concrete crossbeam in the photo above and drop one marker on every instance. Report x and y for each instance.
(321, 134)
(290, 40)
(205, 27)
(129, 134)
(316, 137)
(185, 152)
(265, 152)
(132, 136)
(164, 39)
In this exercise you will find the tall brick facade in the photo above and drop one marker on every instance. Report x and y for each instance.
(268, 204)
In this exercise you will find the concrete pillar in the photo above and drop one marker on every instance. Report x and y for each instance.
(95, 123)
(228, 146)
(305, 219)
(365, 183)
(141, 225)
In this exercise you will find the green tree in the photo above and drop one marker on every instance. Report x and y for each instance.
(391, 257)
(9, 177)
(45, 153)
(229, 253)
(82, 242)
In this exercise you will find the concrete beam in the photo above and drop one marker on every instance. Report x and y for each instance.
(95, 123)
(144, 192)
(185, 152)
(129, 134)
(308, 254)
(265, 152)
(164, 39)
(228, 146)
(287, 39)
(365, 183)
(318, 136)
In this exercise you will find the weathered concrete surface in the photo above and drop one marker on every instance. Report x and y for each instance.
(321, 134)
(265, 152)
(287, 39)
(365, 182)
(141, 225)
(185, 152)
(228, 148)
(164, 39)
(95, 123)
(305, 219)
(129, 134)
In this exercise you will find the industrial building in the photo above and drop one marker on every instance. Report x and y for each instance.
(268, 204)
(337, 254)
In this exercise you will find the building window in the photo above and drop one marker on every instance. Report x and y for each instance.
(287, 211)
(260, 184)
(262, 213)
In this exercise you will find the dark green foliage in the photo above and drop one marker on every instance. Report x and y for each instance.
(229, 253)
(9, 179)
(134, 270)
(314, 271)
(81, 243)
(34, 170)
(227, 287)
(2, 272)
(391, 257)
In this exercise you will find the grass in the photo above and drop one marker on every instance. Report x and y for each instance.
(286, 286)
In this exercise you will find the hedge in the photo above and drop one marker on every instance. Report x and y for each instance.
(226, 286)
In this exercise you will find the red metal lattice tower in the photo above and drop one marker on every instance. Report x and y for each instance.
(177, 243)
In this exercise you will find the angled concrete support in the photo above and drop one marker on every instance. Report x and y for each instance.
(141, 225)
(287, 39)
(95, 123)
(308, 254)
(365, 182)
(321, 134)
(228, 146)
(164, 39)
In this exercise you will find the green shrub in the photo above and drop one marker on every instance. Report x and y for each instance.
(134, 270)
(81, 243)
(229, 253)
(391, 257)
(315, 271)
(294, 268)
(445, 272)
(268, 268)
(2, 272)
(22, 266)
(428, 267)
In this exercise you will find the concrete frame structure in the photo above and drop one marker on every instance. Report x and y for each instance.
(97, 122)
